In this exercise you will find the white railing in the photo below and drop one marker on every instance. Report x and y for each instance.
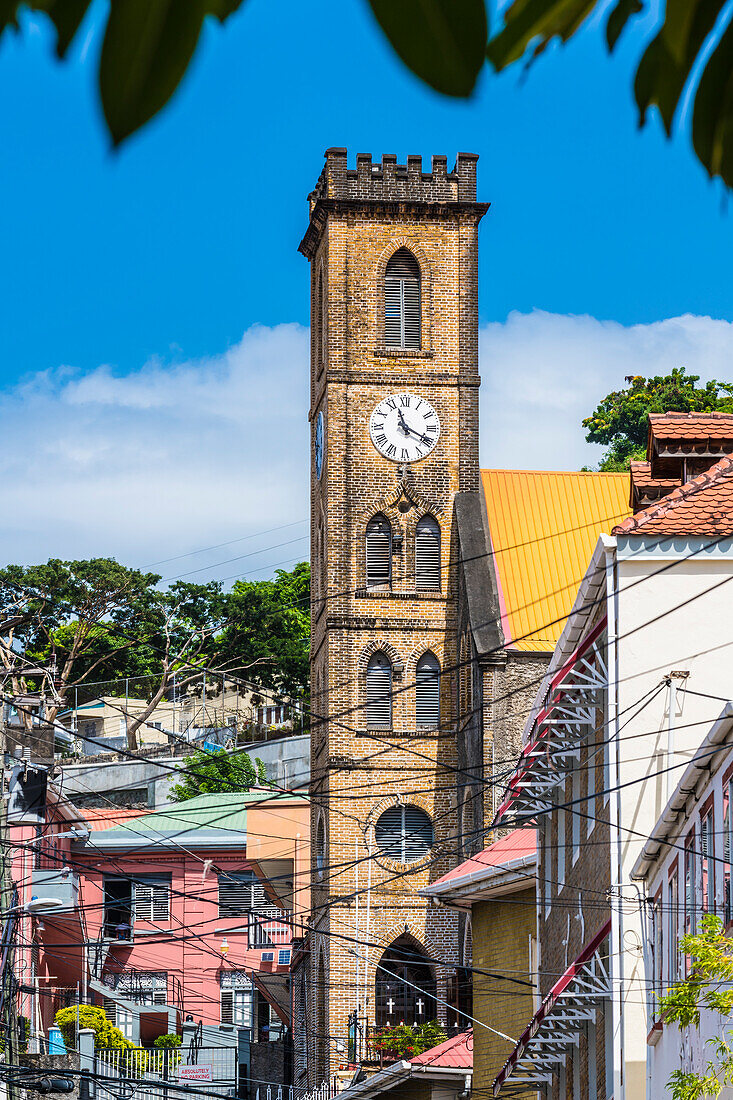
(325, 1091)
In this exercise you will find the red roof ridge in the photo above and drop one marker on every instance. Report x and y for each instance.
(698, 484)
(699, 413)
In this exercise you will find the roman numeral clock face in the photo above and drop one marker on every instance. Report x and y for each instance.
(404, 427)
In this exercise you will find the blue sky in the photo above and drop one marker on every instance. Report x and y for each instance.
(133, 270)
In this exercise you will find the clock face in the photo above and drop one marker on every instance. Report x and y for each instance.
(404, 427)
(318, 445)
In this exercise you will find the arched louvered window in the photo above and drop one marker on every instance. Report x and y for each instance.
(320, 845)
(427, 553)
(378, 552)
(404, 833)
(318, 322)
(402, 301)
(427, 692)
(379, 692)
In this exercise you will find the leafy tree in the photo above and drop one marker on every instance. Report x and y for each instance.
(706, 987)
(148, 45)
(268, 631)
(620, 421)
(217, 772)
(97, 619)
(106, 1035)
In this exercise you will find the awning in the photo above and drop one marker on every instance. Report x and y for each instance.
(564, 721)
(556, 1024)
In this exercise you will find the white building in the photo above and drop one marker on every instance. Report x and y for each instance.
(635, 683)
(686, 870)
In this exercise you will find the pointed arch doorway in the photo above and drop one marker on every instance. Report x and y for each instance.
(404, 986)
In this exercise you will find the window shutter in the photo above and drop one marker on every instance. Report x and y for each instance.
(404, 833)
(151, 901)
(239, 893)
(704, 838)
(393, 312)
(402, 301)
(378, 552)
(411, 313)
(427, 692)
(379, 692)
(227, 1006)
(427, 553)
(419, 834)
(388, 832)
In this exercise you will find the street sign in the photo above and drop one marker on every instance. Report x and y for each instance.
(196, 1073)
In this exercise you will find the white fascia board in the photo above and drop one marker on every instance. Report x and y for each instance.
(636, 546)
(383, 1081)
(703, 765)
(490, 882)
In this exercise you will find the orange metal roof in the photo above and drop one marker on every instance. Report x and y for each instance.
(544, 527)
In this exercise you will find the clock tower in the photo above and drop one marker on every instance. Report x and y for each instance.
(394, 428)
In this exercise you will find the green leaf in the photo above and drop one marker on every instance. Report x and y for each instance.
(668, 60)
(442, 41)
(527, 21)
(712, 119)
(618, 19)
(66, 16)
(148, 45)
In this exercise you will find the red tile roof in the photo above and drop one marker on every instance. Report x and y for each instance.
(689, 427)
(109, 818)
(516, 845)
(703, 506)
(455, 1053)
(641, 475)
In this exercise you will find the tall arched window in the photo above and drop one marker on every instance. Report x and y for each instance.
(427, 692)
(427, 553)
(378, 552)
(318, 334)
(379, 692)
(402, 301)
(404, 986)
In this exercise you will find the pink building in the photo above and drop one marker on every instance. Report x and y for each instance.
(185, 914)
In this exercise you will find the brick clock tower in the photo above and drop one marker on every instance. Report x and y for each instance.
(394, 429)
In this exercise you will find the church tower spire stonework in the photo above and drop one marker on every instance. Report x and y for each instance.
(394, 418)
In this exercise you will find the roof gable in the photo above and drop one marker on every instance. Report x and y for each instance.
(702, 506)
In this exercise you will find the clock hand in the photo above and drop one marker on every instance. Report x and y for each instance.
(403, 423)
(413, 431)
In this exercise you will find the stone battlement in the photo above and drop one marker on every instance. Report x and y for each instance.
(389, 181)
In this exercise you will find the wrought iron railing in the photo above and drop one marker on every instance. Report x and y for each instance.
(364, 1042)
(140, 987)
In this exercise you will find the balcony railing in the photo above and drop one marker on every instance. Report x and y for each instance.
(144, 988)
(363, 1046)
(268, 928)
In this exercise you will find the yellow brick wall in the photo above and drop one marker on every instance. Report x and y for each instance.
(356, 224)
(501, 931)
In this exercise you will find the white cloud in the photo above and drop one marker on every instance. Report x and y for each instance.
(162, 461)
(543, 372)
(175, 457)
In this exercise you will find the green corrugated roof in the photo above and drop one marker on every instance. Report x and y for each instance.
(208, 815)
